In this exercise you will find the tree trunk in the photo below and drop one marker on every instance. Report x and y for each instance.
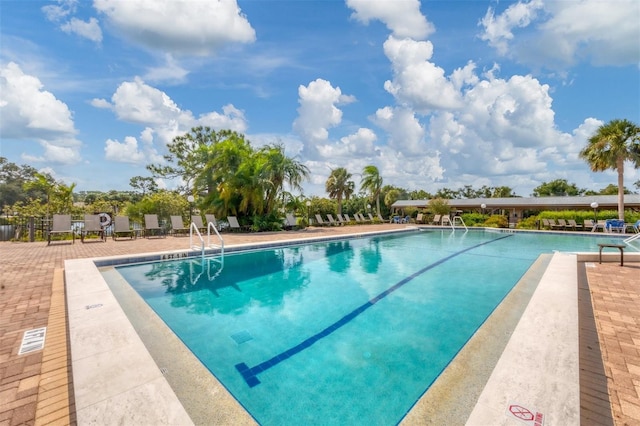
(620, 188)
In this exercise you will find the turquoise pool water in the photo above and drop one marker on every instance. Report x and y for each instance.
(345, 332)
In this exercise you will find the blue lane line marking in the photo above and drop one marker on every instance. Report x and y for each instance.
(250, 373)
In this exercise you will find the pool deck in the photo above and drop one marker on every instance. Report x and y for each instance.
(37, 387)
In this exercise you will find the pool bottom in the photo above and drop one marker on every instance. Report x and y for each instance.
(449, 400)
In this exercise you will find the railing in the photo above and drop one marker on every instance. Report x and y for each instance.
(194, 232)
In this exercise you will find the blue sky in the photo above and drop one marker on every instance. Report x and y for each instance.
(434, 93)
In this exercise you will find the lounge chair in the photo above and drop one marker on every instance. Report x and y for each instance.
(121, 228)
(446, 220)
(371, 218)
(290, 221)
(356, 217)
(332, 221)
(546, 224)
(321, 222)
(554, 225)
(362, 218)
(436, 220)
(615, 225)
(562, 224)
(177, 226)
(347, 218)
(235, 226)
(196, 219)
(573, 225)
(419, 218)
(381, 218)
(61, 225)
(589, 224)
(92, 225)
(342, 220)
(211, 218)
(151, 226)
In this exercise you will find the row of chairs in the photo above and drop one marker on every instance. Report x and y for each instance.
(343, 219)
(611, 225)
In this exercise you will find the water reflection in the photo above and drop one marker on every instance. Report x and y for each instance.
(210, 285)
(339, 255)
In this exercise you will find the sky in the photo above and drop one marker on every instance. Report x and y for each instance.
(436, 94)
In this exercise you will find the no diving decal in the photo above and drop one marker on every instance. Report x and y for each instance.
(32, 340)
(526, 415)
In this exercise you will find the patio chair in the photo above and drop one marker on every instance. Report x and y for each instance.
(332, 221)
(341, 219)
(562, 224)
(290, 221)
(177, 226)
(92, 225)
(61, 225)
(321, 222)
(234, 225)
(121, 227)
(436, 220)
(211, 218)
(446, 220)
(347, 218)
(196, 219)
(615, 225)
(419, 218)
(151, 226)
(553, 225)
(362, 218)
(573, 225)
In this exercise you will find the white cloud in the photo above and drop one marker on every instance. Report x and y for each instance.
(30, 113)
(498, 29)
(171, 71)
(402, 17)
(418, 83)
(137, 102)
(181, 27)
(318, 112)
(28, 110)
(559, 34)
(89, 29)
(358, 145)
(129, 151)
(404, 130)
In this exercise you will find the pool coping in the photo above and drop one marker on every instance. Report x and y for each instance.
(98, 352)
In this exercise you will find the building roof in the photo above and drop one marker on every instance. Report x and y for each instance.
(532, 203)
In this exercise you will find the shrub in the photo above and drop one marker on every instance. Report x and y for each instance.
(496, 221)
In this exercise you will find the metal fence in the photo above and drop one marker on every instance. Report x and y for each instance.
(32, 228)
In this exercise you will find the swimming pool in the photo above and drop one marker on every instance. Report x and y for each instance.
(343, 332)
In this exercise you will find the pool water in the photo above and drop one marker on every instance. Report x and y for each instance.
(345, 332)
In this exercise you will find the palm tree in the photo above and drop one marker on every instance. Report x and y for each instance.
(338, 186)
(613, 144)
(372, 182)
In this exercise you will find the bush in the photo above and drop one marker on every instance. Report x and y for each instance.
(496, 221)
(474, 219)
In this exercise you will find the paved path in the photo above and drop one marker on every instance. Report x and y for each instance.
(33, 392)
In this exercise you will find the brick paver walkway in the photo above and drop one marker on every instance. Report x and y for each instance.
(35, 388)
(615, 295)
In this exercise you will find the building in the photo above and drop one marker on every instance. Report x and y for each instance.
(515, 207)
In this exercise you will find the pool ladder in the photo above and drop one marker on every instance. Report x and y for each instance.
(632, 238)
(194, 233)
(452, 222)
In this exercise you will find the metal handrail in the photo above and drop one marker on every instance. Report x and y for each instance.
(211, 226)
